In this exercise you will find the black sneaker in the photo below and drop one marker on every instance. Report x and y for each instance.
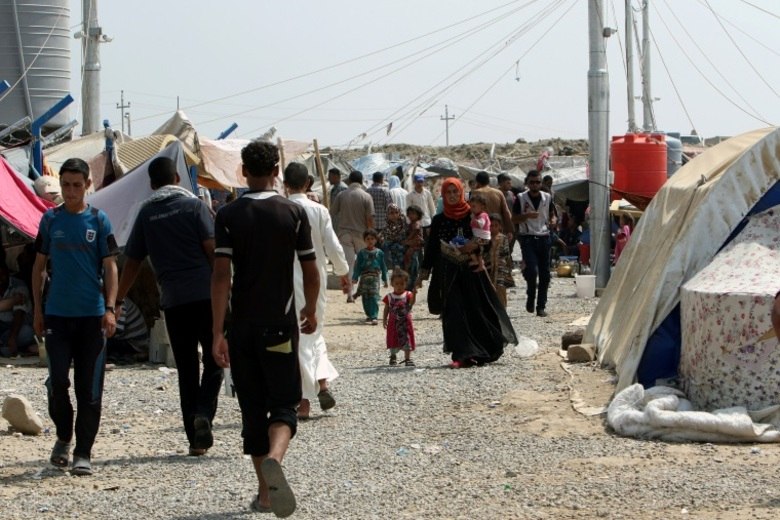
(203, 436)
(541, 313)
(529, 304)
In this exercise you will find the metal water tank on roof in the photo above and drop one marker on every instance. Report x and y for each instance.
(34, 37)
(673, 155)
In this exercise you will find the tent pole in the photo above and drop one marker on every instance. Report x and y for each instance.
(321, 173)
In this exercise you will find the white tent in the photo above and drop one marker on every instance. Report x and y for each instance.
(122, 199)
(689, 220)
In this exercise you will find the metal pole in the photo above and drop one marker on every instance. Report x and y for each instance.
(648, 123)
(446, 120)
(121, 106)
(91, 35)
(37, 126)
(630, 67)
(598, 137)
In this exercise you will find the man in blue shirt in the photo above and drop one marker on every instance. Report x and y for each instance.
(79, 313)
(176, 230)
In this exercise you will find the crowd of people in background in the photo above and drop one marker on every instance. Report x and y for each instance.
(459, 241)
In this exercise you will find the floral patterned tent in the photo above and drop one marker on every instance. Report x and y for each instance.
(730, 355)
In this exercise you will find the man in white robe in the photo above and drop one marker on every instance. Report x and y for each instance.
(316, 368)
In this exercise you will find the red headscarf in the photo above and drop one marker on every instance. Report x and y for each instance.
(458, 210)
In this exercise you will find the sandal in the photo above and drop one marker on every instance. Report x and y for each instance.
(257, 507)
(408, 363)
(279, 492)
(81, 466)
(60, 453)
(327, 401)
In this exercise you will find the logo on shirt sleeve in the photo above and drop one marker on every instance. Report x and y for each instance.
(91, 234)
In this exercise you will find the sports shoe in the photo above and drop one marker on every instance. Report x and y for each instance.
(203, 438)
(541, 313)
(327, 401)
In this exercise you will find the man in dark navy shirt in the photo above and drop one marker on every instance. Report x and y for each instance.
(176, 230)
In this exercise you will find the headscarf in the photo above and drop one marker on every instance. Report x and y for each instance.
(394, 231)
(393, 182)
(458, 210)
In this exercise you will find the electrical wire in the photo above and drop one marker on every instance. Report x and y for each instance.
(442, 45)
(715, 67)
(487, 90)
(746, 34)
(706, 79)
(760, 9)
(342, 63)
(390, 72)
(739, 49)
(502, 44)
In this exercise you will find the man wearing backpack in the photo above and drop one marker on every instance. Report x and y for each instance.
(79, 313)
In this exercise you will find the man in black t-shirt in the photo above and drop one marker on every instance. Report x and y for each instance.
(260, 233)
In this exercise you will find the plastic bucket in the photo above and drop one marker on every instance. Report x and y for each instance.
(586, 285)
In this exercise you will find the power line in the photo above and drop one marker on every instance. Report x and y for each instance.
(342, 63)
(501, 76)
(501, 44)
(760, 8)
(701, 51)
(717, 17)
(463, 36)
(706, 79)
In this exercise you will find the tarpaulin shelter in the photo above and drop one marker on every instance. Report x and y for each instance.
(636, 325)
(122, 199)
(20, 208)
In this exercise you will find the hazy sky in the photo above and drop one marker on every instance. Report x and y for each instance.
(506, 69)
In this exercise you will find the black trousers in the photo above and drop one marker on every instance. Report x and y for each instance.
(80, 340)
(536, 255)
(266, 373)
(188, 325)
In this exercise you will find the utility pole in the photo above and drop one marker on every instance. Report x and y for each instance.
(648, 119)
(632, 128)
(598, 138)
(129, 131)
(92, 36)
(447, 118)
(121, 106)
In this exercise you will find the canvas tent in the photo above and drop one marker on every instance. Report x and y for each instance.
(636, 324)
(122, 199)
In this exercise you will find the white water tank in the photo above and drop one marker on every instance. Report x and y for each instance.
(34, 36)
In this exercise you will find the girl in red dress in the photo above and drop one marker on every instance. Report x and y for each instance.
(397, 318)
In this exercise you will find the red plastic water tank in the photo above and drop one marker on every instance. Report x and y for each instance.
(639, 163)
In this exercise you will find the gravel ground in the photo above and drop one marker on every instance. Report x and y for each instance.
(495, 442)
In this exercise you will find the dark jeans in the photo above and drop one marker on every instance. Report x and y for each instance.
(79, 340)
(265, 370)
(536, 255)
(187, 325)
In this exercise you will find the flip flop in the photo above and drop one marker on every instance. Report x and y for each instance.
(282, 497)
(327, 401)
(257, 507)
(81, 466)
(60, 454)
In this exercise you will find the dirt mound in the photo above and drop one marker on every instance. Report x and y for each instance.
(506, 156)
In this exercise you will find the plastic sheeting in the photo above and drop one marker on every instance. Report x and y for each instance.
(122, 199)
(19, 207)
